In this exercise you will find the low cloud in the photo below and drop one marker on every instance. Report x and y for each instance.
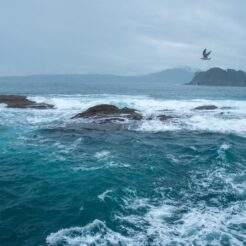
(121, 37)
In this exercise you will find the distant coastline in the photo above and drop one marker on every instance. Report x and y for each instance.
(179, 76)
(174, 75)
(219, 77)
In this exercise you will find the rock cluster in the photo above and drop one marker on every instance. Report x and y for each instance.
(107, 110)
(110, 113)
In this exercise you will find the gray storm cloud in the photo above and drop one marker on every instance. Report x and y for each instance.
(120, 37)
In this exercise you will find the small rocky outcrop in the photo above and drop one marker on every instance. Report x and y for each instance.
(107, 110)
(206, 107)
(13, 101)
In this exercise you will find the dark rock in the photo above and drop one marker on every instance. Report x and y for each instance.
(164, 117)
(206, 107)
(106, 110)
(99, 110)
(41, 106)
(150, 118)
(22, 102)
(226, 108)
(161, 117)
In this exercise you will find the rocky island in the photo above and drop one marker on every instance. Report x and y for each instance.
(219, 77)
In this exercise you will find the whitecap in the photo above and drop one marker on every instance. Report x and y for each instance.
(156, 126)
(102, 154)
(107, 165)
(222, 151)
(229, 118)
(95, 233)
(104, 195)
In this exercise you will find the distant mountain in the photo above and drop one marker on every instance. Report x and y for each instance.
(178, 75)
(219, 77)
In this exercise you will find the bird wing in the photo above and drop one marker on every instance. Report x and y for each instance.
(204, 52)
(208, 53)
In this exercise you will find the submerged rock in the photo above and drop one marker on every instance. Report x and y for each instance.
(13, 101)
(161, 117)
(206, 107)
(164, 117)
(225, 108)
(107, 110)
(111, 120)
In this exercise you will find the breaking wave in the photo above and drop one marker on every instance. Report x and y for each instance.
(95, 233)
(210, 210)
(228, 118)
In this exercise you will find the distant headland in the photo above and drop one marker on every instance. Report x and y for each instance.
(174, 75)
(219, 77)
(179, 76)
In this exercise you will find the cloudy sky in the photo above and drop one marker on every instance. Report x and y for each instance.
(119, 36)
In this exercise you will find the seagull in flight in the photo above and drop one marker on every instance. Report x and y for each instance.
(205, 55)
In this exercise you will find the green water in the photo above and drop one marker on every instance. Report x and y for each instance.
(181, 182)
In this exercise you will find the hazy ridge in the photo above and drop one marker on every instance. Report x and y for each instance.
(176, 75)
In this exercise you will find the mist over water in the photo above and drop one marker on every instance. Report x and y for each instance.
(177, 182)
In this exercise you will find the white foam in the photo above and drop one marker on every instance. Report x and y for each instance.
(3, 105)
(156, 126)
(97, 166)
(95, 233)
(212, 123)
(201, 225)
(104, 195)
(102, 154)
(188, 222)
(229, 118)
(169, 223)
(222, 151)
(196, 226)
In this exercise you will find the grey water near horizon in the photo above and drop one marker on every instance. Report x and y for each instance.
(93, 83)
(179, 182)
(169, 83)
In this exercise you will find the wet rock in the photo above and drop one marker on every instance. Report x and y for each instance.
(164, 117)
(111, 120)
(107, 110)
(13, 101)
(161, 117)
(206, 107)
(41, 106)
(225, 108)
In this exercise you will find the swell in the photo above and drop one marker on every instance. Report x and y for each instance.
(198, 204)
(179, 182)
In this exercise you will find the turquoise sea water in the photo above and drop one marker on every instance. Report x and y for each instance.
(180, 182)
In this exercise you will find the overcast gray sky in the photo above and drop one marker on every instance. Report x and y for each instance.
(119, 36)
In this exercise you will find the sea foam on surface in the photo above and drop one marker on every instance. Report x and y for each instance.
(229, 117)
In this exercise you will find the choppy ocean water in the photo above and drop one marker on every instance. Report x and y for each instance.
(179, 182)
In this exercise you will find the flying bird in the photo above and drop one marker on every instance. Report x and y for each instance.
(205, 55)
